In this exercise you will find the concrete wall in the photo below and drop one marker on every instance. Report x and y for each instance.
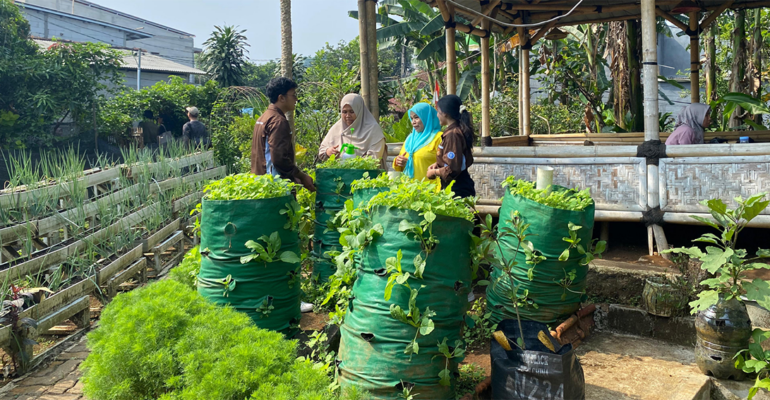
(168, 44)
(47, 25)
(149, 78)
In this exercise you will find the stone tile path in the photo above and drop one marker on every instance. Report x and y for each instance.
(57, 381)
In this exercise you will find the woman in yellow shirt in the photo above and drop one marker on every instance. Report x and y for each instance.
(420, 147)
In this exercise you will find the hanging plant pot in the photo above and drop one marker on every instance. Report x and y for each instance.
(661, 298)
(723, 330)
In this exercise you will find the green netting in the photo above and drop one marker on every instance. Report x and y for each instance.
(253, 287)
(548, 227)
(333, 190)
(373, 342)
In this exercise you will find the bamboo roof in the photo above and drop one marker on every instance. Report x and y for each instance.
(589, 11)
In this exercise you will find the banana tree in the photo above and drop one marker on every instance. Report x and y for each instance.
(744, 105)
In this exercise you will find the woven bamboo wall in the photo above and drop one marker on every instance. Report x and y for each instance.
(685, 182)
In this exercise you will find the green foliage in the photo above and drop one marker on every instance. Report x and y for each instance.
(372, 183)
(187, 271)
(756, 360)
(566, 199)
(165, 341)
(43, 87)
(422, 197)
(366, 163)
(471, 375)
(248, 187)
(724, 260)
(224, 56)
(396, 131)
(268, 252)
(479, 328)
(166, 99)
(259, 75)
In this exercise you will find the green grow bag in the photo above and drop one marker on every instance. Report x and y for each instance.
(372, 342)
(361, 197)
(548, 227)
(333, 190)
(253, 287)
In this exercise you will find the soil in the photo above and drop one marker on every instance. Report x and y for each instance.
(481, 358)
(313, 321)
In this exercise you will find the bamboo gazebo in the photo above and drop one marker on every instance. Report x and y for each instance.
(633, 177)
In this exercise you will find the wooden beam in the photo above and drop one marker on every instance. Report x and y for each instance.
(451, 60)
(539, 35)
(524, 83)
(601, 20)
(486, 129)
(374, 66)
(717, 12)
(694, 59)
(670, 18)
(444, 9)
(486, 10)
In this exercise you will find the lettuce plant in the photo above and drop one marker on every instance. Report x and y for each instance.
(248, 187)
(350, 163)
(565, 199)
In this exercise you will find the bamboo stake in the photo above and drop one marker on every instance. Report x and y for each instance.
(451, 57)
(694, 58)
(485, 118)
(363, 35)
(525, 91)
(374, 70)
(485, 10)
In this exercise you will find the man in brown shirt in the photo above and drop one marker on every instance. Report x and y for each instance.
(272, 147)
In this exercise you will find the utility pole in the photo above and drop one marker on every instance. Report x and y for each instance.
(139, 72)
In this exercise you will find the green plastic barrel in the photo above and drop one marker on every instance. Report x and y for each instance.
(333, 190)
(548, 226)
(372, 342)
(254, 287)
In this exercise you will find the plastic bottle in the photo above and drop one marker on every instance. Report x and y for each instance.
(347, 151)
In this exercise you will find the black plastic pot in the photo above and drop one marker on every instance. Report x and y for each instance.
(722, 330)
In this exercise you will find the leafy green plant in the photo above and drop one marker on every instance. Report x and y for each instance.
(724, 260)
(449, 353)
(367, 163)
(471, 375)
(166, 341)
(268, 252)
(565, 199)
(187, 271)
(479, 328)
(422, 197)
(248, 187)
(756, 360)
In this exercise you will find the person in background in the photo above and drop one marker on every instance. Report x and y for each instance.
(149, 130)
(420, 148)
(194, 132)
(164, 135)
(272, 147)
(358, 127)
(690, 125)
(454, 155)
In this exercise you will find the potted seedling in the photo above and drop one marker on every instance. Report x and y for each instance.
(722, 323)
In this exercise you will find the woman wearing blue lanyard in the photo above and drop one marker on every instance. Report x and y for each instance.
(455, 154)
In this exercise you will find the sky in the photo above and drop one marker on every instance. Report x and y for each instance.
(314, 22)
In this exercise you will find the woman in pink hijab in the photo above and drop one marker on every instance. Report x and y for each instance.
(690, 125)
(358, 127)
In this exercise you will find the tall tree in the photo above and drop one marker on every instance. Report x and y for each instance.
(224, 56)
(287, 58)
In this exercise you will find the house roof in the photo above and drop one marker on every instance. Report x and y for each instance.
(131, 34)
(150, 62)
(144, 21)
(588, 11)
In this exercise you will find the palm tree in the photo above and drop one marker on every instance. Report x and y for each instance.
(286, 43)
(224, 56)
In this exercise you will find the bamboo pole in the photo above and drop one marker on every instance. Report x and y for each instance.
(711, 73)
(486, 129)
(525, 91)
(694, 58)
(485, 10)
(713, 16)
(650, 57)
(670, 18)
(363, 35)
(374, 66)
(451, 56)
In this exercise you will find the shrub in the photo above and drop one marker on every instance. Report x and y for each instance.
(422, 197)
(187, 271)
(166, 341)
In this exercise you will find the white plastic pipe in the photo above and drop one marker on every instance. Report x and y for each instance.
(544, 178)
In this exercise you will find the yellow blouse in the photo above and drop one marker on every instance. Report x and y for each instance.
(423, 159)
